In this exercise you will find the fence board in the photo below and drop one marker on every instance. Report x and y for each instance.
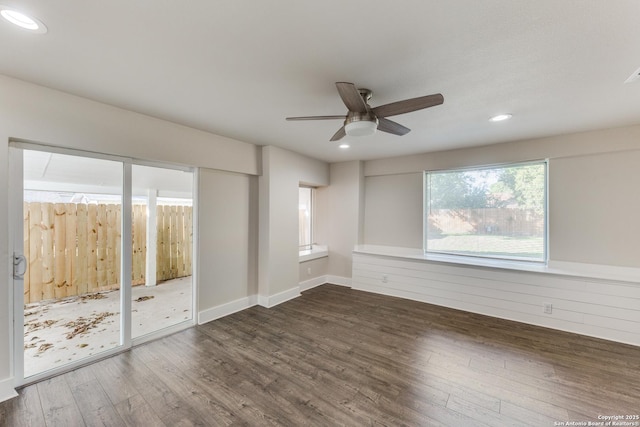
(112, 228)
(60, 250)
(76, 249)
(139, 244)
(71, 246)
(188, 229)
(25, 248)
(101, 225)
(81, 265)
(92, 250)
(159, 243)
(180, 240)
(118, 253)
(48, 256)
(166, 243)
(35, 252)
(142, 225)
(174, 241)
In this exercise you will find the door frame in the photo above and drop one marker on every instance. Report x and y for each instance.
(16, 223)
(16, 246)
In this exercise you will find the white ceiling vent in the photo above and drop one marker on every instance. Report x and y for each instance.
(633, 77)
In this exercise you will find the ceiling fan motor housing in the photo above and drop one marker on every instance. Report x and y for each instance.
(366, 94)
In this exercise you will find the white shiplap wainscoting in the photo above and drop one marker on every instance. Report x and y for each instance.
(598, 307)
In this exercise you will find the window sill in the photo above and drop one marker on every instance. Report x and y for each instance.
(318, 251)
(560, 268)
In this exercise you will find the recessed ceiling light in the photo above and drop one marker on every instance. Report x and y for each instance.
(344, 146)
(500, 117)
(23, 21)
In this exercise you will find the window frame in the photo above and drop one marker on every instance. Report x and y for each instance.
(454, 257)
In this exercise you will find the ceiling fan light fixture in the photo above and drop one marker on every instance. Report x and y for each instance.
(361, 128)
(344, 146)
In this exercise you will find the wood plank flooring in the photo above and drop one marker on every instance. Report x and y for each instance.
(336, 356)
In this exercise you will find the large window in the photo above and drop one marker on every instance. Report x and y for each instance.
(305, 218)
(493, 212)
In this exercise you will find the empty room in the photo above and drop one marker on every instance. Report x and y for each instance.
(419, 213)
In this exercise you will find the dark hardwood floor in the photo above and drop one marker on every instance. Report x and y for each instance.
(341, 357)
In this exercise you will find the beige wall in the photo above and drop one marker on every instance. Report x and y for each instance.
(282, 173)
(344, 209)
(555, 147)
(593, 197)
(35, 113)
(228, 223)
(393, 210)
(44, 115)
(594, 212)
(311, 269)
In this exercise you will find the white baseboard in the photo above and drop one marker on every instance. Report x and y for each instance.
(6, 389)
(312, 283)
(273, 300)
(263, 301)
(268, 301)
(226, 309)
(338, 280)
(323, 280)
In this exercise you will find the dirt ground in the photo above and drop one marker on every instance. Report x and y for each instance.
(57, 333)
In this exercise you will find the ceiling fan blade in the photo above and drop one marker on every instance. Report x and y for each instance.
(317, 118)
(389, 126)
(351, 97)
(408, 105)
(338, 135)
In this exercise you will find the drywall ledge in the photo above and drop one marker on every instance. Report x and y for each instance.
(559, 268)
(318, 251)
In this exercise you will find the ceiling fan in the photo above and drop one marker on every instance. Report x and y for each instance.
(362, 119)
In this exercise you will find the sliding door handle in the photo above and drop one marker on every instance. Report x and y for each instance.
(19, 266)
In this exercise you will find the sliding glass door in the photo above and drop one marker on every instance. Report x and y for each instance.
(102, 256)
(162, 249)
(72, 233)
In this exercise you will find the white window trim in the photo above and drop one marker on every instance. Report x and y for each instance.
(487, 260)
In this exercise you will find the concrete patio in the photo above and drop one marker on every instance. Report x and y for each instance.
(60, 332)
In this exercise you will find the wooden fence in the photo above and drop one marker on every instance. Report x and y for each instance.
(509, 221)
(74, 249)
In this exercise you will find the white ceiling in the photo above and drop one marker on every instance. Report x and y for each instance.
(238, 68)
(44, 171)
